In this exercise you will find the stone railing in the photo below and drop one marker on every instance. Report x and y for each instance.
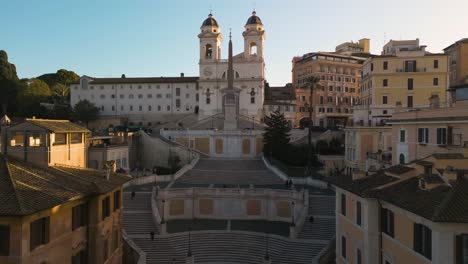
(232, 204)
(155, 210)
(134, 248)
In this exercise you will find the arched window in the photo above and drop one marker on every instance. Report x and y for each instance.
(253, 49)
(402, 158)
(208, 51)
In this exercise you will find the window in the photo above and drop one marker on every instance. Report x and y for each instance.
(116, 200)
(158, 95)
(113, 108)
(343, 204)
(76, 138)
(422, 240)
(121, 96)
(402, 136)
(358, 213)
(105, 248)
(387, 219)
(39, 232)
(177, 103)
(385, 83)
(105, 207)
(131, 108)
(187, 95)
(435, 81)
(343, 247)
(208, 100)
(159, 108)
(35, 140)
(385, 65)
(372, 66)
(168, 108)
(423, 135)
(140, 108)
(60, 139)
(17, 139)
(79, 216)
(130, 96)
(177, 91)
(149, 96)
(140, 96)
(410, 84)
(461, 249)
(102, 96)
(410, 66)
(4, 240)
(197, 97)
(410, 101)
(442, 136)
(436, 64)
(149, 107)
(80, 257)
(113, 96)
(168, 95)
(252, 100)
(358, 256)
(384, 99)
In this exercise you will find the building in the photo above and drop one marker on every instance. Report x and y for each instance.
(47, 142)
(142, 101)
(404, 76)
(414, 213)
(282, 99)
(458, 62)
(338, 89)
(52, 209)
(417, 134)
(249, 70)
(108, 148)
(367, 148)
(147, 101)
(352, 48)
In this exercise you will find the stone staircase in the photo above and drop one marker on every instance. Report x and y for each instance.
(322, 208)
(229, 247)
(137, 215)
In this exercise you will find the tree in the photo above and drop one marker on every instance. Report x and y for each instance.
(31, 93)
(276, 135)
(60, 93)
(62, 76)
(85, 111)
(8, 84)
(310, 83)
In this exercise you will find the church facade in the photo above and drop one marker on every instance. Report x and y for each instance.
(146, 101)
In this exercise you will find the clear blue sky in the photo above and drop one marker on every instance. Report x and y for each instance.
(106, 38)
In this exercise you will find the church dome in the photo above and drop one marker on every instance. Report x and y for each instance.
(254, 19)
(210, 21)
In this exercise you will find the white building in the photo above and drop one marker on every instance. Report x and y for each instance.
(151, 100)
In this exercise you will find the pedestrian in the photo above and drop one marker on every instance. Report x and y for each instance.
(152, 235)
(133, 194)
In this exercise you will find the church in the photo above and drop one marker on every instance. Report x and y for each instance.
(232, 88)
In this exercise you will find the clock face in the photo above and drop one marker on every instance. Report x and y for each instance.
(207, 71)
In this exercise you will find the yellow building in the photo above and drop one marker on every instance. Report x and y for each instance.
(405, 75)
(339, 73)
(414, 213)
(46, 142)
(52, 210)
(458, 62)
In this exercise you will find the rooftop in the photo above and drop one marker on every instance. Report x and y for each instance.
(26, 188)
(57, 126)
(126, 80)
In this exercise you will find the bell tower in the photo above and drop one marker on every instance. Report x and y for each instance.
(210, 40)
(254, 36)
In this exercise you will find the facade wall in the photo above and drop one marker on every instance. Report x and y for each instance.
(97, 156)
(63, 242)
(339, 80)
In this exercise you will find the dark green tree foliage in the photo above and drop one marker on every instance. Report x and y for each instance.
(85, 111)
(31, 93)
(62, 76)
(276, 135)
(8, 84)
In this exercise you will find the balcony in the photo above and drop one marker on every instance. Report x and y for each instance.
(411, 70)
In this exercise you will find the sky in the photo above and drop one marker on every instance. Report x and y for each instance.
(107, 38)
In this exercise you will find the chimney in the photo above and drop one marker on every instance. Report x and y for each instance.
(434, 101)
(365, 44)
(182, 74)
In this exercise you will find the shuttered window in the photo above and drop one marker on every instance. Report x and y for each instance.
(116, 200)
(343, 204)
(39, 232)
(387, 224)
(461, 249)
(79, 216)
(105, 207)
(442, 136)
(4, 240)
(422, 241)
(423, 135)
(358, 213)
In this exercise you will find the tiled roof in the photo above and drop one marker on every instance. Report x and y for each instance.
(363, 186)
(57, 126)
(440, 204)
(432, 178)
(26, 188)
(399, 169)
(448, 156)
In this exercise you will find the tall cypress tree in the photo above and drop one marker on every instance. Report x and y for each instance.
(276, 135)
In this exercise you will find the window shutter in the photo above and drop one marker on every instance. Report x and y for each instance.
(439, 132)
(426, 130)
(458, 249)
(428, 242)
(46, 229)
(32, 236)
(449, 135)
(420, 135)
(392, 229)
(383, 220)
(417, 237)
